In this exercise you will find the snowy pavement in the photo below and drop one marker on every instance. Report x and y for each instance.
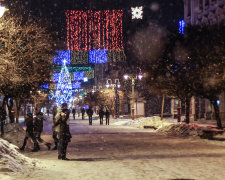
(119, 152)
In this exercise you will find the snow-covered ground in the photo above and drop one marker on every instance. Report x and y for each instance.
(123, 151)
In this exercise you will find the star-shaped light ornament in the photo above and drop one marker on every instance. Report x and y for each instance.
(137, 12)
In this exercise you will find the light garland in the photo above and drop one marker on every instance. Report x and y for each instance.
(77, 76)
(87, 30)
(79, 57)
(137, 12)
(98, 56)
(45, 86)
(61, 56)
(181, 26)
(89, 74)
(116, 56)
(76, 85)
(72, 69)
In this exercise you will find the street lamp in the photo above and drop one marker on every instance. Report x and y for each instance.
(133, 78)
(115, 87)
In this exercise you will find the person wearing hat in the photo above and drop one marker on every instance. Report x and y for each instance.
(64, 131)
(38, 128)
(30, 133)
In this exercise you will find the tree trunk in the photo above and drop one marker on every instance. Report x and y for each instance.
(187, 110)
(18, 107)
(3, 116)
(217, 113)
(162, 110)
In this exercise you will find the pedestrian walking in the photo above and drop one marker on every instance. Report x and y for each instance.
(38, 128)
(82, 112)
(64, 132)
(90, 114)
(74, 112)
(107, 114)
(30, 133)
(55, 129)
(101, 115)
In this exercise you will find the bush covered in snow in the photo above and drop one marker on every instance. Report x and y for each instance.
(12, 161)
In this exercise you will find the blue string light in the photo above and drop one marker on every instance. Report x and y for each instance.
(76, 85)
(181, 26)
(45, 86)
(98, 56)
(78, 76)
(61, 56)
(56, 77)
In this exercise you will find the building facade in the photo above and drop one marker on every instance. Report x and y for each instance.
(205, 12)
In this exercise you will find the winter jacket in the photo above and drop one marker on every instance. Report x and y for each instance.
(90, 112)
(29, 124)
(38, 124)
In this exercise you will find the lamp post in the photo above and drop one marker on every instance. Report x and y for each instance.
(132, 92)
(117, 100)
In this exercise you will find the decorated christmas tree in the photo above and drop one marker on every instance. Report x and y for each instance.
(63, 92)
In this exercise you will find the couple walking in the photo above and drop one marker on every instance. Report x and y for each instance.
(104, 111)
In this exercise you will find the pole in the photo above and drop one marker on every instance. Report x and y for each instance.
(178, 111)
(132, 100)
(116, 102)
(162, 107)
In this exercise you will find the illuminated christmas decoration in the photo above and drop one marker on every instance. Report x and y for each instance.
(98, 56)
(87, 30)
(115, 56)
(45, 86)
(63, 87)
(89, 74)
(76, 85)
(181, 26)
(77, 76)
(85, 79)
(56, 77)
(137, 12)
(61, 56)
(79, 57)
(73, 69)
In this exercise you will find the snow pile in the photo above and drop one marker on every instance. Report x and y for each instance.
(182, 130)
(152, 122)
(15, 134)
(13, 161)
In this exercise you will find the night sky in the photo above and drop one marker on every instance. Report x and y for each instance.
(165, 12)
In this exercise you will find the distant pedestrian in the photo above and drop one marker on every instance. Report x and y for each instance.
(107, 114)
(64, 132)
(30, 133)
(74, 112)
(82, 112)
(90, 114)
(48, 112)
(101, 115)
(38, 128)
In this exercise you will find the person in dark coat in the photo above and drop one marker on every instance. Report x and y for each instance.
(107, 114)
(55, 129)
(74, 112)
(38, 128)
(30, 133)
(64, 132)
(90, 114)
(82, 112)
(101, 115)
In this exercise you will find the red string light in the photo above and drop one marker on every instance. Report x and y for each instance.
(88, 30)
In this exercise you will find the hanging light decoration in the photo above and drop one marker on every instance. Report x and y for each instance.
(137, 12)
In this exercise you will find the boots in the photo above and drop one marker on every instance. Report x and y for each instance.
(48, 145)
(55, 148)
